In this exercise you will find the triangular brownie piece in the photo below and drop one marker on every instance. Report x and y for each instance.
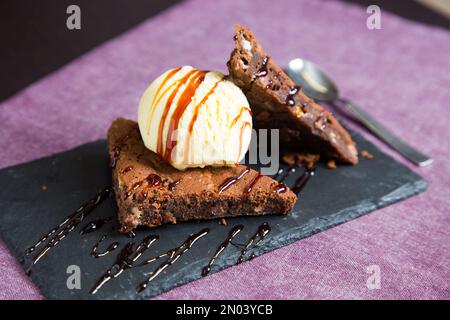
(151, 192)
(277, 102)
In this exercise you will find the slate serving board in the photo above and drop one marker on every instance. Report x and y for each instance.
(36, 196)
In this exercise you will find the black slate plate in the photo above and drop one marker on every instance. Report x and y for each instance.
(71, 178)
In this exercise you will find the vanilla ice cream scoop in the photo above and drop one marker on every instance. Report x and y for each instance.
(195, 118)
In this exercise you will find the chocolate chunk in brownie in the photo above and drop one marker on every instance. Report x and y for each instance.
(151, 192)
(277, 102)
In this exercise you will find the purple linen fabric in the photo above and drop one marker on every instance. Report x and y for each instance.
(399, 74)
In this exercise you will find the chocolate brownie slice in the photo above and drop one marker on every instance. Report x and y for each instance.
(151, 192)
(277, 102)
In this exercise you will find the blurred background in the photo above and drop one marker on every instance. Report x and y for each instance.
(34, 44)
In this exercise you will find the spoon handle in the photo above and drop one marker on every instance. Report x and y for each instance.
(379, 130)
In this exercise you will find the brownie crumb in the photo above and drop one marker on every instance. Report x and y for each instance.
(366, 154)
(331, 164)
(263, 116)
(288, 158)
(223, 222)
(307, 160)
(44, 188)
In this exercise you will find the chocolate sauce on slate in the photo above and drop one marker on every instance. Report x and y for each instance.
(111, 247)
(126, 231)
(290, 101)
(280, 171)
(125, 260)
(95, 225)
(233, 233)
(260, 234)
(58, 233)
(262, 72)
(250, 186)
(152, 259)
(173, 255)
(289, 171)
(301, 182)
(232, 180)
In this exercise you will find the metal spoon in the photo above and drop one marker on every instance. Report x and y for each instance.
(318, 86)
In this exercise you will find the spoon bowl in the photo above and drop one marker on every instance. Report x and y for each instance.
(318, 86)
(314, 82)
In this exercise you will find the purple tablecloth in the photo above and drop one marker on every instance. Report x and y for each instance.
(400, 74)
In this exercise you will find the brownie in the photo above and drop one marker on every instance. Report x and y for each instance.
(151, 192)
(277, 102)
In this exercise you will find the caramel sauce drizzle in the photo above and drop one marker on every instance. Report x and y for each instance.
(240, 115)
(184, 100)
(168, 76)
(167, 108)
(241, 135)
(195, 116)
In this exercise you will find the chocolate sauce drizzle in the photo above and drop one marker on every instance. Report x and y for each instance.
(95, 225)
(260, 234)
(117, 149)
(250, 186)
(173, 255)
(233, 233)
(281, 188)
(290, 101)
(280, 171)
(127, 169)
(153, 180)
(232, 180)
(173, 185)
(289, 171)
(58, 233)
(125, 260)
(262, 72)
(301, 182)
(111, 247)
(127, 231)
